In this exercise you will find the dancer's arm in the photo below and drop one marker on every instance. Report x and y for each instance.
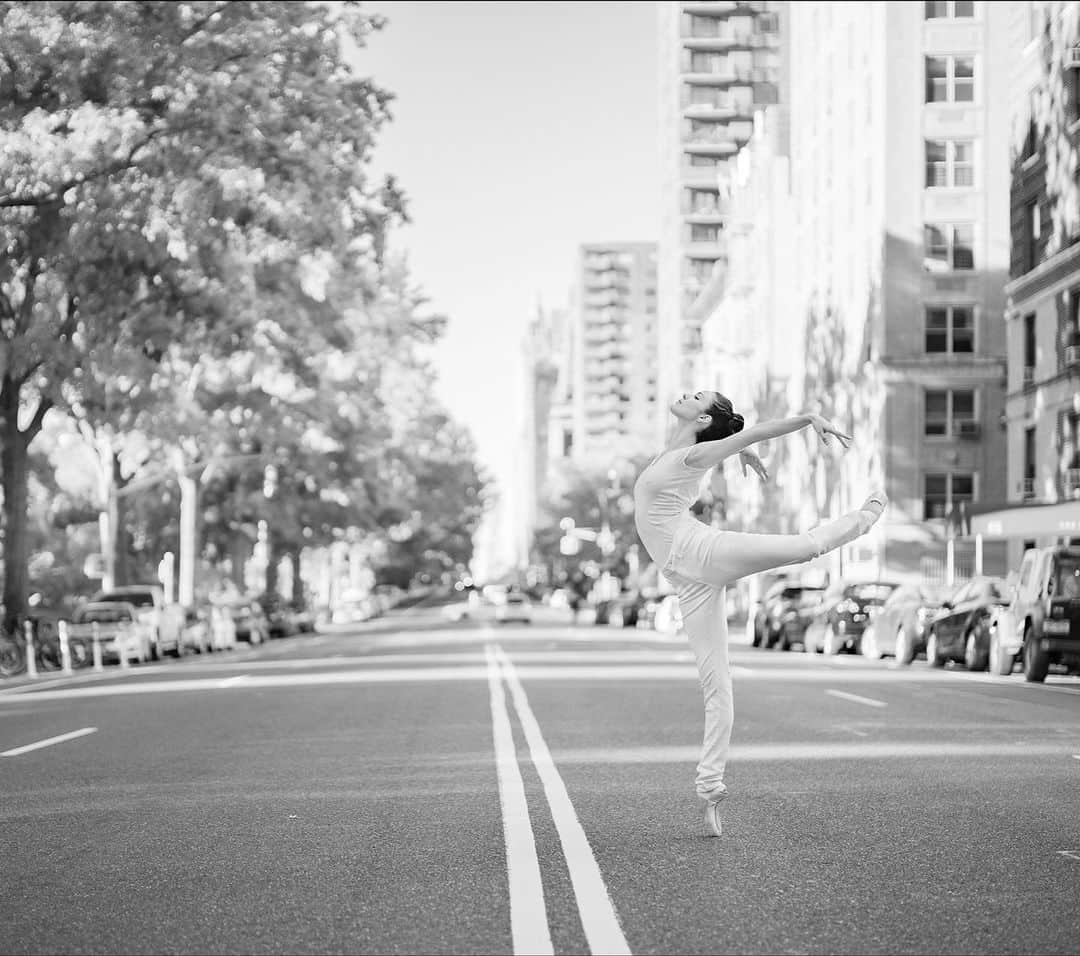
(708, 453)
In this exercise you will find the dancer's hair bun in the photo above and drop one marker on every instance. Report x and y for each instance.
(737, 423)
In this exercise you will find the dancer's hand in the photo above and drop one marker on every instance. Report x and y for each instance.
(824, 430)
(748, 457)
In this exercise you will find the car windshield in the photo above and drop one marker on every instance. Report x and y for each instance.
(139, 599)
(874, 593)
(1067, 578)
(104, 615)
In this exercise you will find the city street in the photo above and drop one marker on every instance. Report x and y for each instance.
(361, 791)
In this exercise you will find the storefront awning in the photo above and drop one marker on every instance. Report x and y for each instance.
(1028, 521)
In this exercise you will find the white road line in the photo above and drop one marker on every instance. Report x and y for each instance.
(528, 917)
(231, 681)
(869, 701)
(598, 916)
(49, 742)
(1071, 854)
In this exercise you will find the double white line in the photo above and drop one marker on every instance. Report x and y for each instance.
(528, 916)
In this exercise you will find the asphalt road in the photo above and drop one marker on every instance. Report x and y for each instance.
(411, 787)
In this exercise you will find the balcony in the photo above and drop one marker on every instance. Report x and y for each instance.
(723, 75)
(1070, 483)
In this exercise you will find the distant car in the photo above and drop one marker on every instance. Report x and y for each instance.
(250, 622)
(899, 629)
(761, 614)
(838, 622)
(621, 611)
(960, 631)
(788, 614)
(165, 620)
(121, 631)
(516, 606)
(195, 634)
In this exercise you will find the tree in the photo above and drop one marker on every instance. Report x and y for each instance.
(164, 165)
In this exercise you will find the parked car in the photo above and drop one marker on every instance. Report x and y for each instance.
(789, 613)
(960, 630)
(165, 620)
(353, 611)
(1044, 614)
(122, 631)
(899, 629)
(222, 628)
(515, 606)
(250, 622)
(621, 611)
(838, 622)
(286, 617)
(195, 634)
(761, 613)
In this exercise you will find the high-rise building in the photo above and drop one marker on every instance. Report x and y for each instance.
(1041, 504)
(614, 350)
(899, 126)
(717, 62)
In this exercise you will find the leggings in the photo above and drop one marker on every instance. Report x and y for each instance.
(702, 562)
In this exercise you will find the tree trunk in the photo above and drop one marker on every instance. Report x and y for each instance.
(121, 539)
(16, 467)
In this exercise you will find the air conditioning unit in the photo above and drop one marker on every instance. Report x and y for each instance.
(968, 429)
(1072, 58)
(1072, 355)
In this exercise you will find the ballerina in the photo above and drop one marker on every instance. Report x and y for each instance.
(701, 561)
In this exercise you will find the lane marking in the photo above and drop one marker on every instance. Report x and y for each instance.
(598, 916)
(844, 695)
(1071, 854)
(232, 681)
(528, 916)
(14, 752)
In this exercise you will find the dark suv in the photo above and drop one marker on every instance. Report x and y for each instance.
(1046, 611)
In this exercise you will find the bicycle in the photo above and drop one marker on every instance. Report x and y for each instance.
(47, 654)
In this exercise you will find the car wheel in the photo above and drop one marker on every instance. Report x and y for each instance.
(974, 658)
(833, 644)
(933, 658)
(869, 645)
(1000, 662)
(1036, 660)
(905, 647)
(180, 650)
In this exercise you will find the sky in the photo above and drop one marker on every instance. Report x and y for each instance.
(520, 131)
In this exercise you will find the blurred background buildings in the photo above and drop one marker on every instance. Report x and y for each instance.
(870, 210)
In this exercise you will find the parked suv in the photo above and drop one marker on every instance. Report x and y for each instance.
(1045, 614)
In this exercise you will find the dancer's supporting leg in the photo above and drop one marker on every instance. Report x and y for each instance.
(705, 621)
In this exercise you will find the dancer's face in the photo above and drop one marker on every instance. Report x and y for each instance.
(690, 407)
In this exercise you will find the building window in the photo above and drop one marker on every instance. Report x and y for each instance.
(950, 79)
(947, 410)
(1029, 350)
(1028, 488)
(1032, 234)
(942, 492)
(949, 9)
(705, 62)
(706, 201)
(702, 233)
(950, 329)
(696, 160)
(950, 162)
(948, 246)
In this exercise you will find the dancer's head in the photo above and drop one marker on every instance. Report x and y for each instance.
(710, 413)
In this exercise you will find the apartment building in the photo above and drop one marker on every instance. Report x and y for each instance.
(614, 350)
(717, 63)
(899, 221)
(1042, 315)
